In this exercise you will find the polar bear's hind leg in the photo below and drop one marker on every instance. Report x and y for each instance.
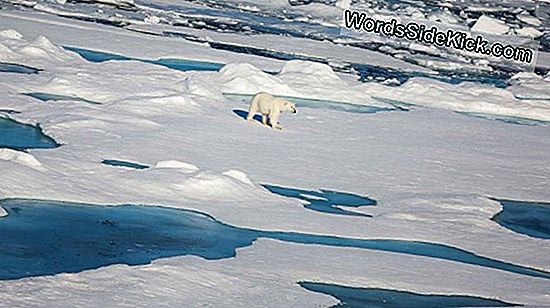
(252, 111)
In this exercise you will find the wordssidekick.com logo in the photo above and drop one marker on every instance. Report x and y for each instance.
(451, 38)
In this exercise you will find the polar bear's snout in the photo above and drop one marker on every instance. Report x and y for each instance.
(293, 108)
(290, 107)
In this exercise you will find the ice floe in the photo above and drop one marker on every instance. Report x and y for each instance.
(491, 25)
(16, 48)
(465, 97)
(531, 86)
(429, 169)
(315, 80)
(21, 158)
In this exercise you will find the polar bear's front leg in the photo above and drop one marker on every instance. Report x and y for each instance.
(274, 120)
(264, 119)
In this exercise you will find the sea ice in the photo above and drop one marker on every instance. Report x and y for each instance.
(490, 25)
(21, 158)
(176, 164)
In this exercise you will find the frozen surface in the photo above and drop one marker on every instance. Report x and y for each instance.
(464, 97)
(21, 158)
(176, 164)
(433, 172)
(262, 275)
(100, 38)
(487, 24)
(321, 83)
(530, 86)
(45, 97)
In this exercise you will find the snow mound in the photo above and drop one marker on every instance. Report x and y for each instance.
(159, 105)
(208, 185)
(152, 19)
(528, 32)
(14, 48)
(11, 34)
(246, 78)
(176, 164)
(309, 70)
(201, 84)
(343, 4)
(529, 19)
(239, 175)
(465, 97)
(21, 158)
(298, 78)
(3, 212)
(123, 82)
(491, 25)
(530, 86)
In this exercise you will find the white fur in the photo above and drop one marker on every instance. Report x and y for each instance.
(270, 108)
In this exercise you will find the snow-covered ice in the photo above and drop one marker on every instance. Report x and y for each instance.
(491, 25)
(176, 164)
(21, 158)
(434, 172)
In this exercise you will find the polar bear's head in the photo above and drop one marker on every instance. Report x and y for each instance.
(290, 107)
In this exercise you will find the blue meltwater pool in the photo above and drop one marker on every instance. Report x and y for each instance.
(40, 238)
(19, 136)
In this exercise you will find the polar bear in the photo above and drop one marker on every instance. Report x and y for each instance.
(269, 107)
